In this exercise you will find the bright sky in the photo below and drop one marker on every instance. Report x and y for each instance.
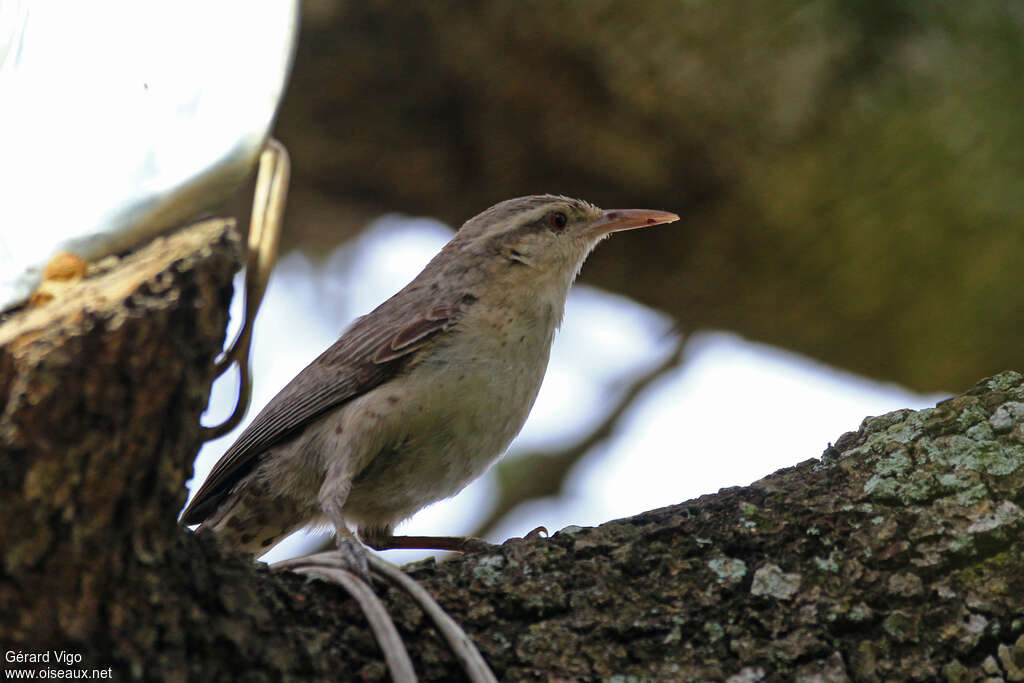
(733, 413)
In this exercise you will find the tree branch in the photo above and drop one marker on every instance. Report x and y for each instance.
(895, 557)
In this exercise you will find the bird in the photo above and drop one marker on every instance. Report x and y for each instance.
(420, 396)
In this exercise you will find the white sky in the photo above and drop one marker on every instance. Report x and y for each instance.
(733, 413)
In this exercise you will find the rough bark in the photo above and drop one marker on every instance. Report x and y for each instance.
(896, 556)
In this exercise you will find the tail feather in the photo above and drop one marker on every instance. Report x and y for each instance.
(253, 523)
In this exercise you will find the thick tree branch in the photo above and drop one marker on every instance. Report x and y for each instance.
(895, 557)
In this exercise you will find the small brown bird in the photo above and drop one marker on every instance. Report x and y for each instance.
(420, 396)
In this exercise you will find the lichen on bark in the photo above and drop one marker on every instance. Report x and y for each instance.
(895, 556)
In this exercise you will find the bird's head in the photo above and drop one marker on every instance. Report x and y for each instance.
(548, 233)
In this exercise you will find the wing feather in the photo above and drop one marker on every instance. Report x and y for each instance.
(364, 357)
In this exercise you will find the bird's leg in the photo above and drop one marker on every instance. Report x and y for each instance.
(351, 552)
(381, 538)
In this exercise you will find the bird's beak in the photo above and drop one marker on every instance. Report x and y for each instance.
(615, 220)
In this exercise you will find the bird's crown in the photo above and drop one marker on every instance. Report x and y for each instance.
(524, 212)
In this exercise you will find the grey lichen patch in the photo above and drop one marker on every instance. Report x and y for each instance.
(1004, 381)
(1012, 659)
(1007, 513)
(728, 570)
(488, 569)
(886, 432)
(892, 553)
(971, 416)
(894, 464)
(987, 456)
(981, 432)
(770, 580)
(827, 564)
(972, 495)
(951, 482)
(500, 640)
(916, 489)
(714, 630)
(831, 670)
(881, 423)
(628, 678)
(881, 488)
(1007, 416)
(963, 545)
(905, 585)
(749, 515)
(903, 626)
(860, 613)
(748, 674)
(906, 431)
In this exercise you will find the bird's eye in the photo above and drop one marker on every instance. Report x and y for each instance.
(558, 220)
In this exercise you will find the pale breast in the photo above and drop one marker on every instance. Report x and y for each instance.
(450, 416)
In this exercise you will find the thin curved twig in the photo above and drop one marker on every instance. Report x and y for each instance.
(395, 655)
(462, 646)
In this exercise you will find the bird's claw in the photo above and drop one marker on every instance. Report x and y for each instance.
(539, 532)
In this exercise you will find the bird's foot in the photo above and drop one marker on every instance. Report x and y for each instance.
(353, 555)
(350, 556)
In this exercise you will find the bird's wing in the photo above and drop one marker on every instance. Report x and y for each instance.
(364, 357)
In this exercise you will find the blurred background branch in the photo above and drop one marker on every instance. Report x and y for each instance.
(848, 173)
